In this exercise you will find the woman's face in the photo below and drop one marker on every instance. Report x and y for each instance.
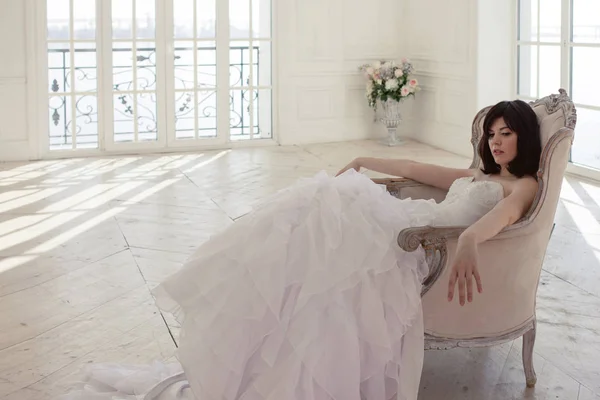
(502, 142)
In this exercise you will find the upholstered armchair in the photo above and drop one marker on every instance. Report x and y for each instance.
(510, 264)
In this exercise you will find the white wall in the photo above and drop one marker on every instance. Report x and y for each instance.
(441, 45)
(464, 54)
(496, 52)
(14, 143)
(462, 49)
(321, 43)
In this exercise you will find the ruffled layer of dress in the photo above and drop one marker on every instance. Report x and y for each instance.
(309, 297)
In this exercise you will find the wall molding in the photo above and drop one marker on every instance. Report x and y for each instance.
(13, 112)
(357, 73)
(17, 150)
(355, 102)
(37, 78)
(17, 80)
(307, 99)
(433, 74)
(450, 138)
(434, 105)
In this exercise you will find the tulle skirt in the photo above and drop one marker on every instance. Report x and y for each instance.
(308, 297)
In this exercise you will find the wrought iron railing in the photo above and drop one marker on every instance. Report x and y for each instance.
(124, 88)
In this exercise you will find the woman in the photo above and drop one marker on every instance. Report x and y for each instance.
(510, 151)
(309, 296)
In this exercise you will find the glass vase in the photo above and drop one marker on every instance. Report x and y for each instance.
(390, 116)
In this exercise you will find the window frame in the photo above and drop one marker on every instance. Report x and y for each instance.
(566, 62)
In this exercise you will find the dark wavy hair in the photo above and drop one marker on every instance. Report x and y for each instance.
(521, 119)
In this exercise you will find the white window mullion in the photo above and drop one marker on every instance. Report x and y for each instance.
(195, 67)
(538, 47)
(223, 44)
(164, 53)
(72, 75)
(105, 99)
(251, 79)
(540, 43)
(38, 106)
(134, 71)
(565, 53)
(168, 67)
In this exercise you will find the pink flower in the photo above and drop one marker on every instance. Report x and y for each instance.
(404, 92)
(412, 83)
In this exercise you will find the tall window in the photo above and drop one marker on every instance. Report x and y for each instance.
(250, 67)
(157, 73)
(72, 74)
(559, 46)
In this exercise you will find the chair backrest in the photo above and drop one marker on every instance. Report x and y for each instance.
(557, 117)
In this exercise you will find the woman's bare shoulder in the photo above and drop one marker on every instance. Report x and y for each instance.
(526, 186)
(477, 174)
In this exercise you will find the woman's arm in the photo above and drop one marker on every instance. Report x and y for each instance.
(430, 174)
(505, 213)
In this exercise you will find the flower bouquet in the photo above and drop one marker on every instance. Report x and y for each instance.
(389, 80)
(389, 83)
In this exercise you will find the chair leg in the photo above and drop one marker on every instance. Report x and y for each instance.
(528, 343)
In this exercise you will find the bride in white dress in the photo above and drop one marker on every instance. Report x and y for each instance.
(309, 297)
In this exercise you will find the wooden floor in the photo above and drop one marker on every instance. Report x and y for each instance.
(83, 240)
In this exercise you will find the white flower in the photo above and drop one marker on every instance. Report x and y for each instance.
(391, 84)
(398, 73)
(370, 71)
(379, 81)
(377, 64)
(405, 91)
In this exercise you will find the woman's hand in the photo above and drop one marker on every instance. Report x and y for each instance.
(355, 164)
(464, 268)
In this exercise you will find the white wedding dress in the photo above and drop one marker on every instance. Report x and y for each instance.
(309, 297)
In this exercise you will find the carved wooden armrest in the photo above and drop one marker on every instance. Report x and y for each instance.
(434, 241)
(397, 182)
(394, 185)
